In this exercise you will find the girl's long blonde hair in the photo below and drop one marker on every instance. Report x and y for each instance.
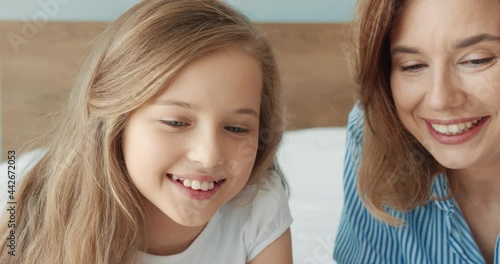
(78, 204)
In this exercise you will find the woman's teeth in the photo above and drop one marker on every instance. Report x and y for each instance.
(195, 184)
(455, 129)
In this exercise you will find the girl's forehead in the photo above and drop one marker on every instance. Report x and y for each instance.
(225, 77)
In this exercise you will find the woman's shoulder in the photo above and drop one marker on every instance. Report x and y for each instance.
(355, 123)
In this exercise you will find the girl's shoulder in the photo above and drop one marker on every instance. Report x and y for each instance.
(257, 200)
(259, 214)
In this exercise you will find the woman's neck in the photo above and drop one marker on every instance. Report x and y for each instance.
(477, 193)
(481, 185)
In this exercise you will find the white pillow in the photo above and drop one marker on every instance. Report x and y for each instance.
(312, 162)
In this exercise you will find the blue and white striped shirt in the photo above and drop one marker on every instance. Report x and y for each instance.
(434, 233)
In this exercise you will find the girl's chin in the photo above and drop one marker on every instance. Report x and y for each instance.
(192, 221)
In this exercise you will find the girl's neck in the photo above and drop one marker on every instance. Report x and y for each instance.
(166, 237)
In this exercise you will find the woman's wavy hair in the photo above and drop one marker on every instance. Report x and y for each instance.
(396, 170)
(78, 205)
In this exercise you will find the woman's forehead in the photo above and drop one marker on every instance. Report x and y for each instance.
(450, 20)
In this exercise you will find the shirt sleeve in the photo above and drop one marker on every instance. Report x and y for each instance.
(270, 216)
(361, 238)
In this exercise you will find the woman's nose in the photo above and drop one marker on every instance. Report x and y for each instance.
(446, 91)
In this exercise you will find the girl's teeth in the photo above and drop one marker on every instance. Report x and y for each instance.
(187, 182)
(204, 186)
(195, 184)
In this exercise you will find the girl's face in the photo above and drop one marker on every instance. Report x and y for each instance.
(445, 78)
(192, 149)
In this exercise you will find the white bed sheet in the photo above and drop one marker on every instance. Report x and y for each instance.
(312, 162)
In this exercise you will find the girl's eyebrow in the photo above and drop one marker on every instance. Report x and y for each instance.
(475, 40)
(172, 102)
(247, 111)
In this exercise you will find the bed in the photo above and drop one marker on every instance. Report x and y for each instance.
(35, 77)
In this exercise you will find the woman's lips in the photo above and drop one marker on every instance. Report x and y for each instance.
(456, 133)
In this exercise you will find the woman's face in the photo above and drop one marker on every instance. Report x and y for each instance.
(193, 148)
(445, 78)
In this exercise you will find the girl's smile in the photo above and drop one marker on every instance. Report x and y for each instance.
(196, 186)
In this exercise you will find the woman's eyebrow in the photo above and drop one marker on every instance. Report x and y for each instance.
(405, 49)
(475, 40)
(470, 41)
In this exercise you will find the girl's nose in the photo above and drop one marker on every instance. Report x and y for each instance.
(207, 149)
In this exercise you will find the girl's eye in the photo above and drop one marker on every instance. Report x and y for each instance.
(237, 130)
(174, 123)
(477, 62)
(412, 68)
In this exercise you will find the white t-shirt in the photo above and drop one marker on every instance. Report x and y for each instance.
(237, 233)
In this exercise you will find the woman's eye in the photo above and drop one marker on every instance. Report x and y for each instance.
(237, 130)
(477, 62)
(411, 68)
(174, 123)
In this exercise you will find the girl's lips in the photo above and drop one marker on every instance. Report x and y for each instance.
(458, 138)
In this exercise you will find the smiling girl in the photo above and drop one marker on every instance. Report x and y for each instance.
(165, 150)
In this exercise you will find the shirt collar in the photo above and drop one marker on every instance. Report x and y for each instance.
(440, 193)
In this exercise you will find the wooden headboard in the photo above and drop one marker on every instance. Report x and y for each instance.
(38, 66)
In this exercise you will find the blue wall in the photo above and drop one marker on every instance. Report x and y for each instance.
(300, 11)
(281, 11)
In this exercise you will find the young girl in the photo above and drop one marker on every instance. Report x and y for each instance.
(423, 151)
(165, 149)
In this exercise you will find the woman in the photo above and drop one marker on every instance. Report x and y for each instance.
(423, 154)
